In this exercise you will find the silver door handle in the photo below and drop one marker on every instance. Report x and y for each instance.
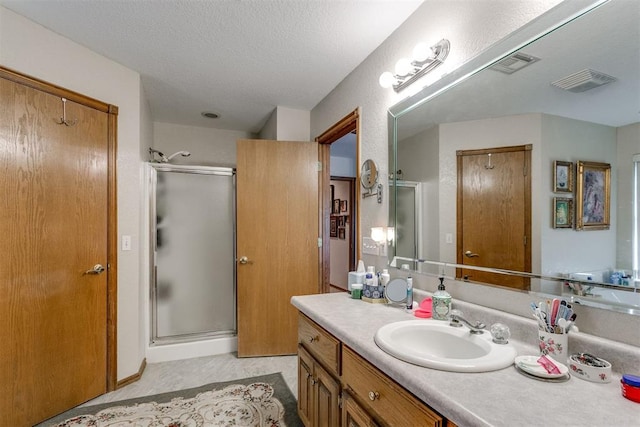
(244, 260)
(97, 269)
(470, 254)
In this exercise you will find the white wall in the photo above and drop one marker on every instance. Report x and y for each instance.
(287, 124)
(470, 26)
(208, 146)
(33, 50)
(568, 250)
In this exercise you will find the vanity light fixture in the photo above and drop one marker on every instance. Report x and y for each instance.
(424, 60)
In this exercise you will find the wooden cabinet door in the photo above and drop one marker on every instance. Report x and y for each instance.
(305, 386)
(353, 415)
(318, 393)
(327, 394)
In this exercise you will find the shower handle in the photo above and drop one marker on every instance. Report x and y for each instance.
(244, 260)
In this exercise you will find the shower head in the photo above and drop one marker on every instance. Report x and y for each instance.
(181, 153)
(152, 157)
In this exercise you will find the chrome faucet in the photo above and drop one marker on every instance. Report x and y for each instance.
(456, 320)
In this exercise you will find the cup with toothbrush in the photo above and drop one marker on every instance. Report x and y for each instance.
(555, 318)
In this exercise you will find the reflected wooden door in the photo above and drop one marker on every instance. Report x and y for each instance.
(494, 214)
(53, 223)
(277, 241)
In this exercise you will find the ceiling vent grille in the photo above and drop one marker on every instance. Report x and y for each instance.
(513, 63)
(583, 81)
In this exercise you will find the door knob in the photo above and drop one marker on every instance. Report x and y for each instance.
(244, 260)
(470, 254)
(97, 269)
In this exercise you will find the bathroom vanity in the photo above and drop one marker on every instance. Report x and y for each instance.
(345, 379)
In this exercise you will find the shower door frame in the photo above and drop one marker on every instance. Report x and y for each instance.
(154, 340)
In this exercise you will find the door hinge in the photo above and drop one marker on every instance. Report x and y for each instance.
(319, 242)
(340, 400)
(319, 166)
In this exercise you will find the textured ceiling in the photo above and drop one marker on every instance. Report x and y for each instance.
(239, 59)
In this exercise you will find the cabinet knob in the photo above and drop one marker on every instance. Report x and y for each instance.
(373, 395)
(314, 339)
(313, 381)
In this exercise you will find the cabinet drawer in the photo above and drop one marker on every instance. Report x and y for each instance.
(382, 396)
(322, 345)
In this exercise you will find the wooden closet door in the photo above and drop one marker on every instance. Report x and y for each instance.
(53, 228)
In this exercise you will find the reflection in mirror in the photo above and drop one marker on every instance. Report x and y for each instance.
(525, 100)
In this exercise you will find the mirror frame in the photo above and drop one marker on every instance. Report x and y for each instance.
(546, 23)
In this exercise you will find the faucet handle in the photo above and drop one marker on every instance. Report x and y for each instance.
(455, 313)
(500, 333)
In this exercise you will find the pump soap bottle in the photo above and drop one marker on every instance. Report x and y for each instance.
(441, 302)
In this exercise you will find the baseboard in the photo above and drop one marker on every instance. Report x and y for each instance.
(133, 378)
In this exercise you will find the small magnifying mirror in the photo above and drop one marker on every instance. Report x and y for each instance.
(369, 174)
(369, 179)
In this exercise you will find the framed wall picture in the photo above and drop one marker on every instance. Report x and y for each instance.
(562, 212)
(333, 226)
(343, 205)
(562, 177)
(593, 196)
(341, 233)
(336, 206)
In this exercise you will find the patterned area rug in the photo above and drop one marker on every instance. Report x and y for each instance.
(258, 401)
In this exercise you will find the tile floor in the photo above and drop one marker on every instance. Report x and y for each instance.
(188, 373)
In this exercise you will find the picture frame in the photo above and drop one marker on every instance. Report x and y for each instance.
(341, 233)
(333, 191)
(593, 196)
(341, 221)
(562, 212)
(333, 226)
(562, 177)
(343, 205)
(336, 206)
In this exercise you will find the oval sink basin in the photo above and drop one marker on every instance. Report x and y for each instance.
(434, 344)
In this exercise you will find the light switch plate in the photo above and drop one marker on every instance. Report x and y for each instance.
(369, 246)
(126, 242)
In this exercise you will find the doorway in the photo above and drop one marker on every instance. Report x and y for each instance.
(494, 214)
(339, 153)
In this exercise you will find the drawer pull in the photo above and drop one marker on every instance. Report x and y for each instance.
(313, 381)
(373, 395)
(314, 339)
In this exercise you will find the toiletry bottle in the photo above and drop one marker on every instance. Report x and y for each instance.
(409, 293)
(441, 302)
(385, 277)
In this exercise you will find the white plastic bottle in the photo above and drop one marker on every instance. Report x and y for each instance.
(385, 277)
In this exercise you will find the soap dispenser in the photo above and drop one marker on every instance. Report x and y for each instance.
(441, 302)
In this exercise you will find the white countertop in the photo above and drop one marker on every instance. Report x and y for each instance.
(498, 398)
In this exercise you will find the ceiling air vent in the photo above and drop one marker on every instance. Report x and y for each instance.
(583, 81)
(513, 63)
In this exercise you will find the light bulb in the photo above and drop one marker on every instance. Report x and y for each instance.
(386, 79)
(403, 67)
(422, 52)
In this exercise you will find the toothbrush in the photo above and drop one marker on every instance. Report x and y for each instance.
(554, 311)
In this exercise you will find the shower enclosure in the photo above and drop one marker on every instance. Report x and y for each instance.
(193, 295)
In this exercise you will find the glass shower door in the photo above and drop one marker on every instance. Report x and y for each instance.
(193, 251)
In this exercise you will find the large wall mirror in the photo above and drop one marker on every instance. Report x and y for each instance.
(563, 90)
